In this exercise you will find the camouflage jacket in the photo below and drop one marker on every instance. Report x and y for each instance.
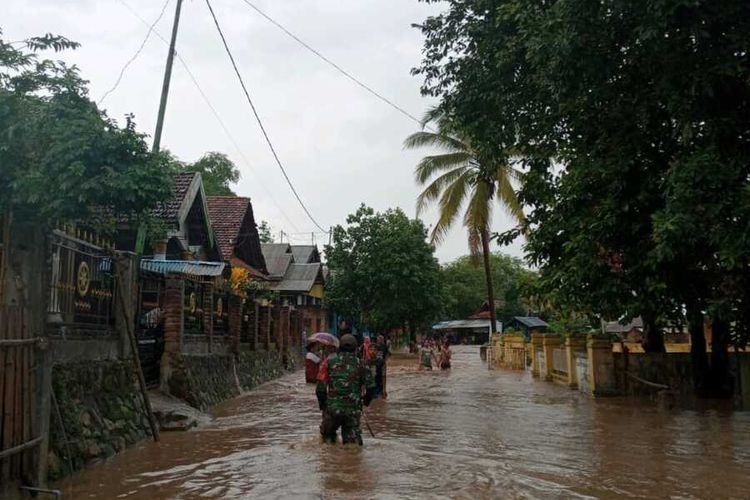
(344, 377)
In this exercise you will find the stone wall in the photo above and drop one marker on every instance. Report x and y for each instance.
(97, 411)
(206, 380)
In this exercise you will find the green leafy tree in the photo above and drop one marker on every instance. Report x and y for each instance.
(631, 118)
(464, 287)
(61, 158)
(464, 175)
(383, 272)
(265, 233)
(218, 173)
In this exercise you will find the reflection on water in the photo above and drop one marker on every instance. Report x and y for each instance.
(468, 433)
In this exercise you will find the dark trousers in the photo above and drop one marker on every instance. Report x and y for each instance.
(349, 423)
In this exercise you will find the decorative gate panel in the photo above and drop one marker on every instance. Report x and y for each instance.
(82, 288)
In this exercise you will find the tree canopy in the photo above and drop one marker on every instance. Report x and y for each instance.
(61, 158)
(464, 288)
(383, 272)
(632, 119)
(265, 233)
(218, 173)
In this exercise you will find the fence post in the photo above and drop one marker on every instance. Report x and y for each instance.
(549, 343)
(44, 387)
(573, 344)
(536, 347)
(601, 365)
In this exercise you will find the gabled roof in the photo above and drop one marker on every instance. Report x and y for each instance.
(188, 190)
(531, 321)
(170, 209)
(305, 254)
(226, 214)
(278, 258)
(299, 278)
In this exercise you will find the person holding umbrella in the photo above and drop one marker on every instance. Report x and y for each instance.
(319, 346)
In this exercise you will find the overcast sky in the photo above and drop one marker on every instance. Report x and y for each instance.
(340, 145)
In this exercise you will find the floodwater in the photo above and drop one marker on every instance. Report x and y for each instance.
(467, 433)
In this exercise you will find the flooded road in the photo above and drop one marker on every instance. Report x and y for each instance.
(467, 433)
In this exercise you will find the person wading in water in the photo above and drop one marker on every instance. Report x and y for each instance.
(342, 380)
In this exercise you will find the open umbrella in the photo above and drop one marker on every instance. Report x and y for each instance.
(324, 338)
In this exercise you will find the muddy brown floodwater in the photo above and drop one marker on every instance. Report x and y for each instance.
(467, 433)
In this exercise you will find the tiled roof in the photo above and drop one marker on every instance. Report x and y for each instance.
(278, 258)
(170, 209)
(298, 278)
(226, 214)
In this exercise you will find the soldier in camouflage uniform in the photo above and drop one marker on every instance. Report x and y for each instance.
(344, 385)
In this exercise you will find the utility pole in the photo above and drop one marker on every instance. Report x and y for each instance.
(167, 78)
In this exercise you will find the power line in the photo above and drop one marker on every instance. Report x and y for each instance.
(216, 115)
(257, 117)
(135, 56)
(336, 66)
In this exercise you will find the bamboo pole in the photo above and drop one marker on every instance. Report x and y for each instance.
(134, 351)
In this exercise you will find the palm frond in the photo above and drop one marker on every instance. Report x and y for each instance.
(438, 140)
(431, 165)
(507, 196)
(479, 210)
(432, 192)
(450, 203)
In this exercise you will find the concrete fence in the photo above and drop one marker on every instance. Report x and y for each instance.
(585, 363)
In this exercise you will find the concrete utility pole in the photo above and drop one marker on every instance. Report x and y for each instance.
(167, 78)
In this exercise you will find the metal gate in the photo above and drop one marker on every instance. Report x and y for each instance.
(23, 379)
(150, 333)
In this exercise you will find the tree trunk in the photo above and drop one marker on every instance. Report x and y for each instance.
(488, 277)
(654, 338)
(698, 354)
(721, 380)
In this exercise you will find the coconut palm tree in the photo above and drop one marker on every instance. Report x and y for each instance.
(462, 176)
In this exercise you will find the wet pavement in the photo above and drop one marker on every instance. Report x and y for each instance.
(467, 433)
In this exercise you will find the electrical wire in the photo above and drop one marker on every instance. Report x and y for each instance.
(216, 115)
(135, 56)
(257, 117)
(334, 65)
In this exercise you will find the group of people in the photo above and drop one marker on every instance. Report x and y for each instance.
(435, 352)
(347, 379)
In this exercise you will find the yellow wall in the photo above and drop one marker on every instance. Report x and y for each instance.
(317, 291)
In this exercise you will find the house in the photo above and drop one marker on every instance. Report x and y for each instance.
(237, 238)
(631, 331)
(300, 283)
(484, 311)
(186, 226)
(528, 325)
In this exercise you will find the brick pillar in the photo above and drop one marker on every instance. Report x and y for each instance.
(208, 313)
(536, 346)
(573, 345)
(255, 325)
(286, 315)
(235, 322)
(601, 365)
(276, 336)
(173, 319)
(264, 330)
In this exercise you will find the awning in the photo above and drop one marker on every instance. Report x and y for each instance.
(462, 324)
(185, 267)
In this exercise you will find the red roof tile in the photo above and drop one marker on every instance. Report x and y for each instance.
(226, 214)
